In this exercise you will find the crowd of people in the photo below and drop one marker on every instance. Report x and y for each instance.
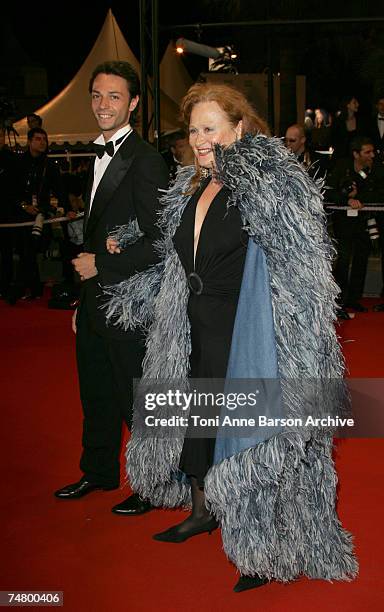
(345, 152)
(35, 189)
(350, 162)
(331, 149)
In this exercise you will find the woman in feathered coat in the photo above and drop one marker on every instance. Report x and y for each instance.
(243, 290)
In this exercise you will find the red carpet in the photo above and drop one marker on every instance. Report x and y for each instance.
(104, 562)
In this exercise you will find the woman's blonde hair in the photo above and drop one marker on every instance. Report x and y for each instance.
(234, 104)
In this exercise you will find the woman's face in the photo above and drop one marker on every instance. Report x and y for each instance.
(209, 125)
(319, 116)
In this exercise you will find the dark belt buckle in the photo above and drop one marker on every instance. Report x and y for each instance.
(195, 283)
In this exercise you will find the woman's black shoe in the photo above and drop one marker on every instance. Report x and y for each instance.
(343, 314)
(175, 535)
(249, 582)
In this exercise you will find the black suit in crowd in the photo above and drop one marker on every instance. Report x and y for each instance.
(341, 138)
(374, 134)
(172, 163)
(110, 358)
(353, 241)
(8, 199)
(40, 177)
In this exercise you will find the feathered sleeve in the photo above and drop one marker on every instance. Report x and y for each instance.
(130, 304)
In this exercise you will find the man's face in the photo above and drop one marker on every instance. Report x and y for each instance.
(353, 105)
(179, 148)
(111, 103)
(365, 156)
(294, 140)
(380, 106)
(38, 144)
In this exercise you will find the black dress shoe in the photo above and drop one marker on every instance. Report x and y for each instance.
(343, 314)
(132, 506)
(249, 582)
(176, 536)
(356, 306)
(81, 488)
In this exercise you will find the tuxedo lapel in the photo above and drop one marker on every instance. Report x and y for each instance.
(88, 191)
(111, 180)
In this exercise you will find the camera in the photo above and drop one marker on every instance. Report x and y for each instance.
(37, 228)
(352, 183)
(347, 187)
(372, 229)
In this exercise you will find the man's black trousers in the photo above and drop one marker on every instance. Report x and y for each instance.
(106, 370)
(353, 247)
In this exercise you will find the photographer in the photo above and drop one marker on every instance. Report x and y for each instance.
(37, 179)
(7, 204)
(352, 183)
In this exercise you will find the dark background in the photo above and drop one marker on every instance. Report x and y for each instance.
(337, 59)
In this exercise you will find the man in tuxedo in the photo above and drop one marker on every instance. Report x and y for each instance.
(376, 127)
(123, 186)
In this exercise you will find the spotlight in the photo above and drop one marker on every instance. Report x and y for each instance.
(221, 59)
(196, 48)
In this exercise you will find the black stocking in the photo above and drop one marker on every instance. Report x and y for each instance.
(200, 514)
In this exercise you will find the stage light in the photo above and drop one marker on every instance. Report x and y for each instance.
(221, 59)
(196, 48)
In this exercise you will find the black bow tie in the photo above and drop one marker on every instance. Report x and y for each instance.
(380, 118)
(109, 147)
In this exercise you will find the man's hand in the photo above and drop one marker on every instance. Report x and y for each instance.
(84, 265)
(355, 203)
(71, 214)
(74, 328)
(31, 210)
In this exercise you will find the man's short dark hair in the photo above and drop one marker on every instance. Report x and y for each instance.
(123, 70)
(36, 118)
(359, 142)
(36, 130)
(175, 136)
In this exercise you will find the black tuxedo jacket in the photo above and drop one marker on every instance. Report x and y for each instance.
(374, 133)
(129, 189)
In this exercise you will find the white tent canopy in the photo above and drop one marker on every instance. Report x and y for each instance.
(68, 116)
(174, 78)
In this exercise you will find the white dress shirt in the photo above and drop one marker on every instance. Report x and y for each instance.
(380, 124)
(102, 163)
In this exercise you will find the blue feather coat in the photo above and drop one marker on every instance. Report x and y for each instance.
(273, 495)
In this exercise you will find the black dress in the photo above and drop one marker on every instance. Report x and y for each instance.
(212, 303)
